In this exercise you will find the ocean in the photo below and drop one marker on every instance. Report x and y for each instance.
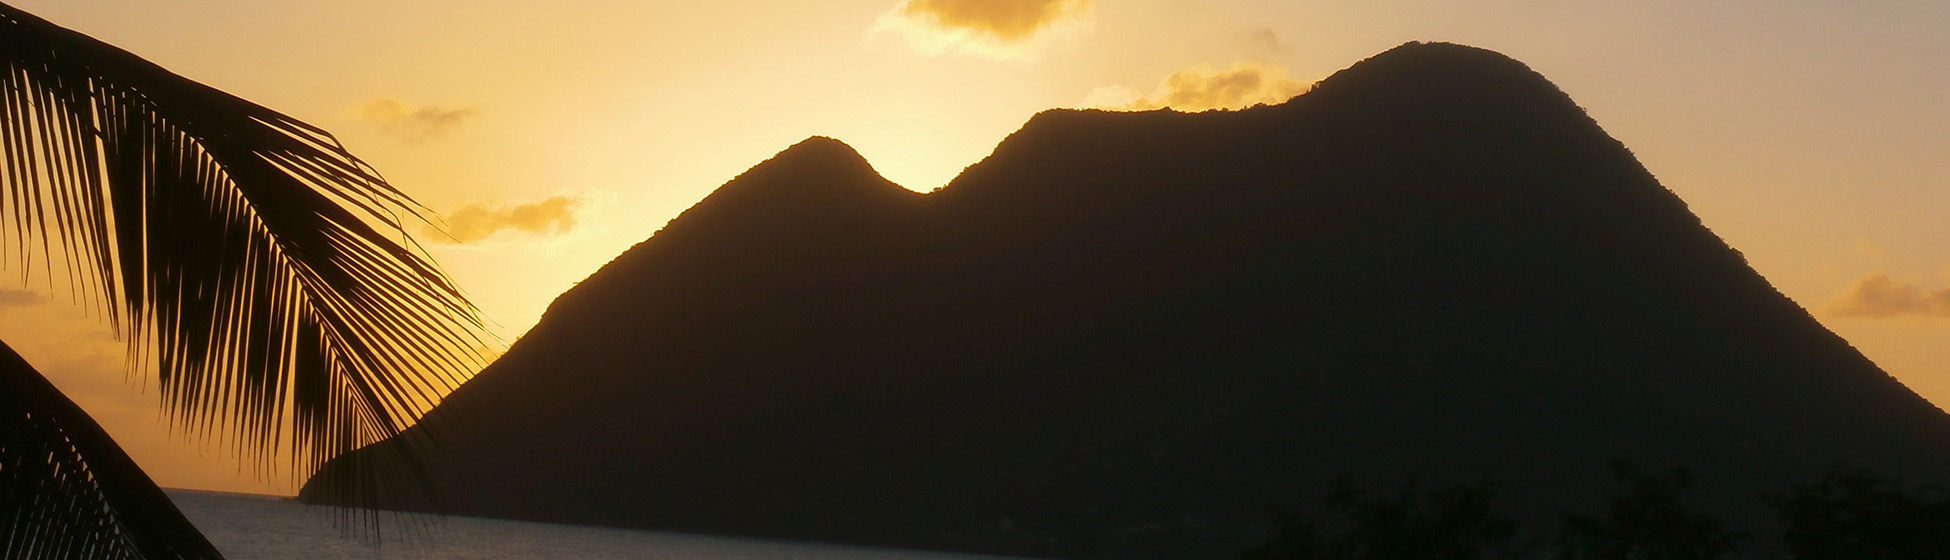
(253, 527)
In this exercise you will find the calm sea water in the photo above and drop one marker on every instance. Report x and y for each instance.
(250, 527)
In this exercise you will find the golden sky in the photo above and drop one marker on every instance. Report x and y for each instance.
(551, 136)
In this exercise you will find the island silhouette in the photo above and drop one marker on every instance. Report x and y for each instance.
(1124, 334)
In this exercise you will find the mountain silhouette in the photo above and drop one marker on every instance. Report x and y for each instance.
(1122, 335)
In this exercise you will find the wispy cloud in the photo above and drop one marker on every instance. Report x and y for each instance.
(1261, 42)
(1204, 87)
(999, 29)
(1877, 296)
(10, 297)
(412, 124)
(476, 222)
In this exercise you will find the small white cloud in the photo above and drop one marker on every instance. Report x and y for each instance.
(1877, 296)
(476, 222)
(1262, 42)
(1114, 97)
(1204, 87)
(412, 124)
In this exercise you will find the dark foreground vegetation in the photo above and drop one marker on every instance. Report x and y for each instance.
(250, 261)
(1849, 514)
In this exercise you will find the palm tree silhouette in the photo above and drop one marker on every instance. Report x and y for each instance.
(247, 256)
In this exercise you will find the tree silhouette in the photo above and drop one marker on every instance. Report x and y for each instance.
(1454, 523)
(1649, 522)
(246, 256)
(1851, 514)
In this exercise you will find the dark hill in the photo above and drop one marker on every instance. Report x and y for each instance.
(1123, 334)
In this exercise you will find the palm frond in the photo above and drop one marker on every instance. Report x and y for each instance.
(66, 489)
(246, 254)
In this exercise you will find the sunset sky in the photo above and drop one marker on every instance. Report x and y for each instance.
(1813, 136)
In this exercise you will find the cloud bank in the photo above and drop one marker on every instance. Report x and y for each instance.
(1204, 87)
(476, 222)
(999, 29)
(1877, 296)
(412, 124)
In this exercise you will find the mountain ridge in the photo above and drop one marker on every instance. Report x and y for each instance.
(1433, 263)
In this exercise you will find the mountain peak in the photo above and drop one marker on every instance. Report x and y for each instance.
(820, 148)
(1433, 50)
(1445, 77)
(816, 191)
(818, 173)
(817, 156)
(1443, 61)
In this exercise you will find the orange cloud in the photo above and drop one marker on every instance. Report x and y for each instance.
(476, 222)
(1877, 296)
(412, 124)
(1010, 20)
(1001, 29)
(1202, 88)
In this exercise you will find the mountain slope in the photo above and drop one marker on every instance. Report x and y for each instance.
(1123, 334)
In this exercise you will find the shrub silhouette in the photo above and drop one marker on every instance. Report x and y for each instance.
(1851, 514)
(1454, 523)
(1651, 521)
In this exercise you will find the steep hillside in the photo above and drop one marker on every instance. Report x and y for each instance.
(1123, 334)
